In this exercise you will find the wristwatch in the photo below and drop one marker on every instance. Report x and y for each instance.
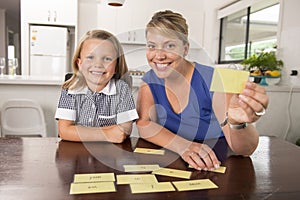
(233, 126)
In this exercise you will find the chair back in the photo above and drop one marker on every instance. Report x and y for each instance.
(22, 117)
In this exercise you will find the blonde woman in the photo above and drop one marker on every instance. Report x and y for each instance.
(176, 108)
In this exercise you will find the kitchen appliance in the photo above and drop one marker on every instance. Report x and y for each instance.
(49, 51)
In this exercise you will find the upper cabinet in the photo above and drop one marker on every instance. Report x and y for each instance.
(127, 22)
(54, 12)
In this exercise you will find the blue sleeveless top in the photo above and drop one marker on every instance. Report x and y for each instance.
(197, 121)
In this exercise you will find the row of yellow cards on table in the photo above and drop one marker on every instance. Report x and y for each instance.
(149, 184)
(139, 183)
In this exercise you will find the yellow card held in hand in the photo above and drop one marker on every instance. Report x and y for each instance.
(194, 185)
(152, 187)
(229, 80)
(149, 151)
(85, 188)
(173, 173)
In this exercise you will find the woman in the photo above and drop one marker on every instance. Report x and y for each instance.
(177, 110)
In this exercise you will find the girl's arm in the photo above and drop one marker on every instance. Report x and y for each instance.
(115, 133)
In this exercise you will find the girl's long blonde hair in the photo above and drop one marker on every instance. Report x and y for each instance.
(77, 80)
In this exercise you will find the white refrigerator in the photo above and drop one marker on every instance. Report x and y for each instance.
(49, 51)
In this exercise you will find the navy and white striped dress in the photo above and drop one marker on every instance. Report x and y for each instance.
(113, 105)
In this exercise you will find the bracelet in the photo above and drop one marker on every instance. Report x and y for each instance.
(233, 126)
(238, 126)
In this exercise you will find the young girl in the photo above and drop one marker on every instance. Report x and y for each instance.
(95, 103)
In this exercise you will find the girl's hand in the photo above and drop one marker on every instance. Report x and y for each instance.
(248, 106)
(201, 157)
(115, 137)
(117, 133)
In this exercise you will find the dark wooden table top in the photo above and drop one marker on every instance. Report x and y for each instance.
(43, 168)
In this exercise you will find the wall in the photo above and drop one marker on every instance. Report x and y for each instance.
(3, 50)
(46, 95)
(289, 40)
(283, 114)
(85, 21)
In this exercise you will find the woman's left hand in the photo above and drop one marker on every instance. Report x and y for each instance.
(248, 106)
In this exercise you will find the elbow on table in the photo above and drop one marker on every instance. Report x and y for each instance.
(245, 150)
(143, 127)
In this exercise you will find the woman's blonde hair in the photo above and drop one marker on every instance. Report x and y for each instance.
(169, 23)
(77, 80)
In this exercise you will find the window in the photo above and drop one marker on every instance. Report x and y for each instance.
(247, 32)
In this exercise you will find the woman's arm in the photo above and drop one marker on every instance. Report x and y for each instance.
(114, 133)
(241, 108)
(191, 152)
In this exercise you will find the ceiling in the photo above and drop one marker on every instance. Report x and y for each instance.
(12, 8)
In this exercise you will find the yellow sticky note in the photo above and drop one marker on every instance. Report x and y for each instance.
(194, 185)
(149, 151)
(97, 177)
(151, 187)
(136, 178)
(85, 188)
(173, 173)
(221, 169)
(229, 80)
(140, 168)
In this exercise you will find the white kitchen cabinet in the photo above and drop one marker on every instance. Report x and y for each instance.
(54, 12)
(127, 22)
(132, 37)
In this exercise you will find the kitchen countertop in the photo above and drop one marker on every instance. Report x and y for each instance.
(38, 80)
(283, 88)
(30, 80)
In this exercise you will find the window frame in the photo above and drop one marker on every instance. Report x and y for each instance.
(246, 41)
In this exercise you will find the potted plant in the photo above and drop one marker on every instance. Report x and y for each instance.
(264, 66)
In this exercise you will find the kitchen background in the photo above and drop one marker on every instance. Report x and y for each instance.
(21, 29)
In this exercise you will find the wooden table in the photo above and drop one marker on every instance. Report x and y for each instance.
(43, 168)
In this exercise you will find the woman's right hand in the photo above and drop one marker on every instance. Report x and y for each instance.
(201, 157)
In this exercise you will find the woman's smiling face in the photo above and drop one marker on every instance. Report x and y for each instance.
(97, 63)
(164, 53)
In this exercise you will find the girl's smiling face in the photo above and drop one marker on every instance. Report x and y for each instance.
(164, 53)
(97, 63)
